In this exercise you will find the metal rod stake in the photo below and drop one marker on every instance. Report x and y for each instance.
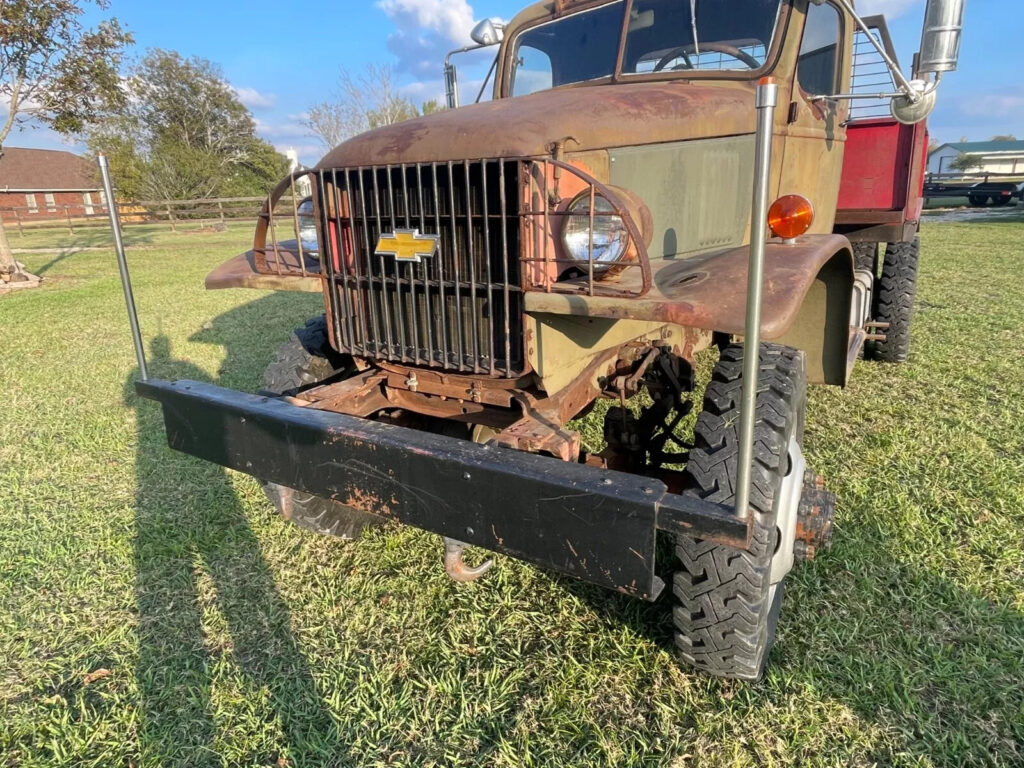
(122, 263)
(766, 100)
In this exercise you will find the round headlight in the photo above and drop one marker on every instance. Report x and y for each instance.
(606, 231)
(307, 228)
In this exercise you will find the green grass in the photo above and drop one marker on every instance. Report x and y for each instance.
(232, 638)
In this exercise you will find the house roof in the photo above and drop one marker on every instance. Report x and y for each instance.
(986, 147)
(45, 170)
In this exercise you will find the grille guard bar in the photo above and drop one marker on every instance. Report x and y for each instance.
(540, 184)
(595, 525)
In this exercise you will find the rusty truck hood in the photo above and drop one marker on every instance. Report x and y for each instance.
(596, 117)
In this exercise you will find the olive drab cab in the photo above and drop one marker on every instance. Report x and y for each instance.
(650, 181)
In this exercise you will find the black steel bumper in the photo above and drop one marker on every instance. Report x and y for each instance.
(596, 525)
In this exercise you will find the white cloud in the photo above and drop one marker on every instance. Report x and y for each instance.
(425, 30)
(1005, 104)
(891, 8)
(309, 152)
(451, 19)
(254, 99)
(291, 128)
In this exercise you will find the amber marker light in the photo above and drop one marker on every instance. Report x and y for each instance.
(790, 216)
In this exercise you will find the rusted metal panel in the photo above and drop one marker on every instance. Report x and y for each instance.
(596, 117)
(240, 272)
(690, 292)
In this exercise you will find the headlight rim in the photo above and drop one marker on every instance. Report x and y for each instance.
(309, 229)
(602, 267)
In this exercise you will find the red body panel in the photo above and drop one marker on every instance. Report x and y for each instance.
(883, 174)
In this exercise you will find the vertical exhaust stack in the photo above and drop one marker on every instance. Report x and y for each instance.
(940, 39)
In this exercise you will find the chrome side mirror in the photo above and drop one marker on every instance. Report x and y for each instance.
(940, 39)
(488, 32)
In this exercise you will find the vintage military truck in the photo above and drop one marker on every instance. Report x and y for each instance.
(491, 272)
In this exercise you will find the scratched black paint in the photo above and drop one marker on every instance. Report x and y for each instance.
(596, 525)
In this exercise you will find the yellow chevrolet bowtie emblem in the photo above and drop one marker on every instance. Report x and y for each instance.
(407, 245)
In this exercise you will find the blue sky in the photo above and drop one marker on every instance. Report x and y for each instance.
(282, 57)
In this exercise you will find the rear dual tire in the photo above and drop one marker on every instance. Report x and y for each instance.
(895, 292)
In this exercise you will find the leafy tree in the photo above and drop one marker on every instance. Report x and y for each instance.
(364, 101)
(965, 163)
(1004, 137)
(55, 72)
(184, 134)
(432, 106)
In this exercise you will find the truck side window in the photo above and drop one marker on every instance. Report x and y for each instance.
(532, 71)
(819, 51)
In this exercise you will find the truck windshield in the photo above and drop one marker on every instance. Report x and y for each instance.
(662, 36)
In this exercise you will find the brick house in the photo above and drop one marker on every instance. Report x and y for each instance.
(39, 183)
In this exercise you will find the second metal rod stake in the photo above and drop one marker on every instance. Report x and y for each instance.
(766, 100)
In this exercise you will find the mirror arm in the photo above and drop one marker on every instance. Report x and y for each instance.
(928, 89)
(450, 77)
(906, 88)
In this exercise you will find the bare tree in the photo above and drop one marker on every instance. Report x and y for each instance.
(54, 72)
(364, 101)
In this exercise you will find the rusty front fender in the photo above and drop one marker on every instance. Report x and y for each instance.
(240, 272)
(808, 291)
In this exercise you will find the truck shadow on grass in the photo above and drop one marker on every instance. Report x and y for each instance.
(208, 608)
(936, 670)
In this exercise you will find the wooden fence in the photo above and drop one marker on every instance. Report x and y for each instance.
(174, 212)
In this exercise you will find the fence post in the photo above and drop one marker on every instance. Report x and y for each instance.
(67, 215)
(220, 207)
(170, 215)
(17, 217)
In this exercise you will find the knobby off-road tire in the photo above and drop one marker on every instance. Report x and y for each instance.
(865, 256)
(304, 360)
(726, 608)
(897, 290)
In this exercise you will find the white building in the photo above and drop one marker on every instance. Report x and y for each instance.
(995, 156)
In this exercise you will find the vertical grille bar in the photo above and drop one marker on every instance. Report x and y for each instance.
(413, 304)
(489, 300)
(328, 262)
(357, 255)
(425, 271)
(504, 267)
(545, 170)
(456, 269)
(443, 313)
(335, 255)
(371, 305)
(399, 301)
(470, 251)
(385, 304)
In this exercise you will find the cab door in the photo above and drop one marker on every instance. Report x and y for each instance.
(815, 131)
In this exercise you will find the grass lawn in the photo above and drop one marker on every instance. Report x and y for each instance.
(155, 612)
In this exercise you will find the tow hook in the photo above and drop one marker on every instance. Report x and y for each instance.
(456, 568)
(815, 518)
